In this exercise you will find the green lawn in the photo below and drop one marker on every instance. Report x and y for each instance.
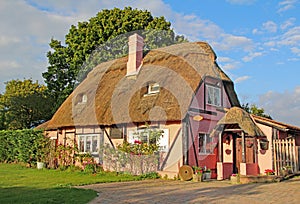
(19, 184)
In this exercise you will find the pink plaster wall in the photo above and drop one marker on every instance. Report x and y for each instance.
(265, 156)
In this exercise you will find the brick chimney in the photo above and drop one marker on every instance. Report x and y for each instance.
(135, 55)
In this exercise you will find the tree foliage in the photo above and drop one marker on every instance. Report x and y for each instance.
(22, 145)
(24, 105)
(69, 62)
(253, 109)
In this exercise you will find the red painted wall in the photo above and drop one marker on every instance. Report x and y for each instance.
(206, 125)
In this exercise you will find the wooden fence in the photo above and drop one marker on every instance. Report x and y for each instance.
(286, 155)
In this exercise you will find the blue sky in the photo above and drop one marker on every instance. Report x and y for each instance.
(257, 42)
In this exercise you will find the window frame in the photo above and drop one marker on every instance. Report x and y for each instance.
(215, 95)
(85, 140)
(154, 86)
(115, 130)
(206, 147)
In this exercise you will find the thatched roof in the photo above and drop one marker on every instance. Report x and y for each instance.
(238, 118)
(114, 98)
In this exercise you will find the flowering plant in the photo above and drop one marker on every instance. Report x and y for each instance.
(198, 170)
(269, 172)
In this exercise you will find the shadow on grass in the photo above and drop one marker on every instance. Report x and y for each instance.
(49, 195)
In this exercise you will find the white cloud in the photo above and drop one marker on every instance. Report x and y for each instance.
(270, 26)
(227, 63)
(288, 23)
(241, 79)
(286, 5)
(296, 50)
(224, 59)
(228, 42)
(284, 106)
(256, 31)
(270, 43)
(291, 37)
(251, 56)
(274, 49)
(294, 59)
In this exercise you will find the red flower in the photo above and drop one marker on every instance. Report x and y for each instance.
(269, 172)
(137, 142)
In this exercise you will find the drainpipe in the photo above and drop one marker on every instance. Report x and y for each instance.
(185, 141)
(243, 148)
(220, 147)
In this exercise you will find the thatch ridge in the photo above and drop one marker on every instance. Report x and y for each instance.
(237, 115)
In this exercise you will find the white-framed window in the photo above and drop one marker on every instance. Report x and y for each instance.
(213, 95)
(206, 144)
(81, 98)
(88, 143)
(84, 98)
(143, 136)
(153, 88)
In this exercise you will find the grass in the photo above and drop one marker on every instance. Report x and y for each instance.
(19, 184)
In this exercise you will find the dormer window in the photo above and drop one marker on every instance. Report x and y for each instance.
(153, 88)
(213, 95)
(84, 98)
(81, 98)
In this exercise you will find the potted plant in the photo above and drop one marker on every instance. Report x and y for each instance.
(207, 173)
(235, 178)
(198, 174)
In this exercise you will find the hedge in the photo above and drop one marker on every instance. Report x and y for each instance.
(20, 145)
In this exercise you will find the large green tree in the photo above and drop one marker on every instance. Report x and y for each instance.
(24, 104)
(104, 36)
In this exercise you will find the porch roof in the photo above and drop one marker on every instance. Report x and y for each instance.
(237, 119)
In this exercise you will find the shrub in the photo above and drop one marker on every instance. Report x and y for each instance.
(22, 146)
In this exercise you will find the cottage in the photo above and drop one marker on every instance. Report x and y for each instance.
(280, 151)
(179, 89)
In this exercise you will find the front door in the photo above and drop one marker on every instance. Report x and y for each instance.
(237, 154)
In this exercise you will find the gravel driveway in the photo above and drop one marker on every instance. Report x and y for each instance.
(167, 191)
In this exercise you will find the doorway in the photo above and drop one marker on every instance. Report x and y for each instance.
(238, 150)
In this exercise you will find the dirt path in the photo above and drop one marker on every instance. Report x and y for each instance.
(163, 191)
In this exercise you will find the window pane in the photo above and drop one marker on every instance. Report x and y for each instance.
(95, 144)
(81, 144)
(116, 133)
(88, 144)
(201, 143)
(209, 95)
(213, 95)
(153, 88)
(217, 96)
(206, 145)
